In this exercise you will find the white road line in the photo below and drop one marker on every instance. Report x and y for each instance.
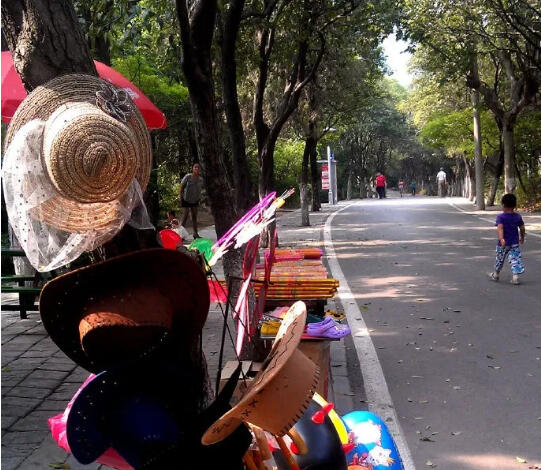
(529, 234)
(377, 393)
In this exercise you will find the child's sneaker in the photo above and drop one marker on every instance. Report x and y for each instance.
(515, 280)
(495, 276)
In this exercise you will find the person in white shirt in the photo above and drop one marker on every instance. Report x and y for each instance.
(441, 177)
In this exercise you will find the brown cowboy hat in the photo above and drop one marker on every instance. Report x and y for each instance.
(117, 310)
(281, 391)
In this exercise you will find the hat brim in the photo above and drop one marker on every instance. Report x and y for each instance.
(284, 349)
(148, 399)
(161, 385)
(176, 275)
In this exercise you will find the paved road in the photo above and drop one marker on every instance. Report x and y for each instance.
(461, 354)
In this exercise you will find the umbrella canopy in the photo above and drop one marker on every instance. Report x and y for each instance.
(13, 92)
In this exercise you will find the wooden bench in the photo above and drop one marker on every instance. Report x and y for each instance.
(27, 294)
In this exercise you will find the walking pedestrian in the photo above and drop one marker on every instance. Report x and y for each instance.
(441, 177)
(413, 187)
(509, 225)
(190, 194)
(401, 187)
(381, 183)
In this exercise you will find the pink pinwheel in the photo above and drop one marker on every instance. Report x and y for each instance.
(250, 225)
(241, 312)
(254, 215)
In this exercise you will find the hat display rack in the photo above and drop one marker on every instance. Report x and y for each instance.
(77, 162)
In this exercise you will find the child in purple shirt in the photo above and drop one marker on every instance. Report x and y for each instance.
(509, 225)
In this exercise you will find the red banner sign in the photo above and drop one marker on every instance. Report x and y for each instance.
(325, 176)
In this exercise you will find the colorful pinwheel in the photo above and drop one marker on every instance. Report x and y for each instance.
(249, 225)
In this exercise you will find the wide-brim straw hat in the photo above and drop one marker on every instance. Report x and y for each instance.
(281, 391)
(95, 142)
(121, 309)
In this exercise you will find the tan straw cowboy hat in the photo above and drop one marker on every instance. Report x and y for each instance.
(281, 391)
(94, 143)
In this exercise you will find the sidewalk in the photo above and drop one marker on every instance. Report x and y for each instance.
(38, 380)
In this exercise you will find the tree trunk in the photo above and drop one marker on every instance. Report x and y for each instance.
(315, 179)
(305, 212)
(102, 50)
(363, 193)
(458, 181)
(266, 182)
(470, 179)
(496, 180)
(192, 143)
(45, 40)
(229, 26)
(349, 190)
(509, 155)
(266, 167)
(298, 76)
(479, 171)
(308, 145)
(197, 30)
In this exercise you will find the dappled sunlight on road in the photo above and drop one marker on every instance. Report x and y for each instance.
(389, 293)
(486, 462)
(454, 227)
(381, 281)
(362, 332)
(410, 201)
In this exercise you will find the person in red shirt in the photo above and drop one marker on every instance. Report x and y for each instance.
(381, 183)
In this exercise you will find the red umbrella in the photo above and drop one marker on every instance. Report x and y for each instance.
(13, 92)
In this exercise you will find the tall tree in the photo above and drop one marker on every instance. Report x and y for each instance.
(45, 40)
(299, 74)
(197, 24)
(479, 173)
(345, 83)
(228, 28)
(456, 30)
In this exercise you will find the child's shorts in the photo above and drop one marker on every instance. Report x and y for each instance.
(515, 258)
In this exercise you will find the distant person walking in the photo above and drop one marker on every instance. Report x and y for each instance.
(381, 183)
(401, 187)
(509, 225)
(441, 177)
(413, 187)
(190, 194)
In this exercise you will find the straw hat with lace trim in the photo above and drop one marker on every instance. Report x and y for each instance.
(95, 142)
(281, 391)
